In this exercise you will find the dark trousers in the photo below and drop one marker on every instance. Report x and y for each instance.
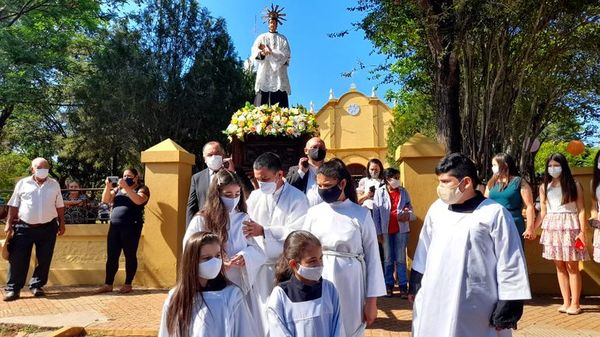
(270, 98)
(25, 237)
(126, 238)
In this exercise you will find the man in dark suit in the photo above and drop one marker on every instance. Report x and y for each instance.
(304, 175)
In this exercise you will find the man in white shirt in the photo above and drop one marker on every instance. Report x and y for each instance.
(34, 208)
(304, 176)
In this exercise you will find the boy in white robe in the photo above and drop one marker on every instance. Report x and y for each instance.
(469, 273)
(276, 209)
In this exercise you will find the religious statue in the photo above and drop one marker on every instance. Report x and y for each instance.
(271, 51)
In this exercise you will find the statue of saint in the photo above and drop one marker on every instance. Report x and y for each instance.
(271, 51)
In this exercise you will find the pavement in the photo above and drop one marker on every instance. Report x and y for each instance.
(138, 314)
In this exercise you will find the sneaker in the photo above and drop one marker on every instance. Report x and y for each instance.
(11, 296)
(38, 292)
(389, 292)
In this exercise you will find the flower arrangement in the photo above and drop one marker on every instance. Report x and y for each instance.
(271, 121)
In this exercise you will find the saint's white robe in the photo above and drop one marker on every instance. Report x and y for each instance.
(347, 235)
(223, 313)
(279, 214)
(469, 262)
(237, 244)
(272, 71)
(318, 317)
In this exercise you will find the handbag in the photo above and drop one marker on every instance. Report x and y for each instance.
(594, 223)
(5, 245)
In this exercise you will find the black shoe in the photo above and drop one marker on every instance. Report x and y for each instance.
(389, 292)
(38, 292)
(11, 296)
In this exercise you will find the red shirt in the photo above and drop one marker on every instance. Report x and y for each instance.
(393, 227)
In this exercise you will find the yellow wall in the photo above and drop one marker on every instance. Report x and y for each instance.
(80, 255)
(355, 138)
(418, 158)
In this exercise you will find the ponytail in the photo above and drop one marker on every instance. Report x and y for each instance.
(293, 249)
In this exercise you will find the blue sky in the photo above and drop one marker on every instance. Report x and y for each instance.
(317, 60)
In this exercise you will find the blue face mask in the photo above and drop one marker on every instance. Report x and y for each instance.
(129, 181)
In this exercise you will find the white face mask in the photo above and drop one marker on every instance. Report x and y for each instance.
(495, 169)
(554, 171)
(230, 203)
(449, 195)
(374, 174)
(394, 183)
(214, 162)
(310, 273)
(267, 187)
(41, 173)
(210, 269)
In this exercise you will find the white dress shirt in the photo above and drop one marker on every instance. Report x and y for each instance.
(312, 189)
(37, 203)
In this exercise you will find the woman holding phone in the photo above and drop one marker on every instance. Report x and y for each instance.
(128, 200)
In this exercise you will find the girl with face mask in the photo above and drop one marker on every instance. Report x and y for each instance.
(392, 210)
(562, 218)
(350, 253)
(203, 302)
(367, 185)
(224, 214)
(303, 303)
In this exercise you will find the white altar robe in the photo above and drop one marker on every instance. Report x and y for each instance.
(237, 244)
(224, 313)
(346, 231)
(279, 213)
(272, 71)
(469, 262)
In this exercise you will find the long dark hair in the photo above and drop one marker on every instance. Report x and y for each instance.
(595, 177)
(214, 212)
(183, 301)
(293, 249)
(507, 168)
(376, 162)
(567, 182)
(336, 169)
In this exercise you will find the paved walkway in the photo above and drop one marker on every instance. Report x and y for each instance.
(138, 314)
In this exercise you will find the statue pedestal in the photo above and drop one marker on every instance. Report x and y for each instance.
(288, 149)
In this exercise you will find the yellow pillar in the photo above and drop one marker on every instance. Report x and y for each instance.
(167, 175)
(418, 158)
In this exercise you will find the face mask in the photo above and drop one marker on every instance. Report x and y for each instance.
(554, 171)
(374, 174)
(230, 203)
(310, 273)
(394, 183)
(41, 173)
(449, 195)
(267, 187)
(317, 154)
(495, 169)
(214, 162)
(129, 181)
(331, 194)
(210, 269)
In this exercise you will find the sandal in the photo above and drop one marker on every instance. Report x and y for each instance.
(104, 289)
(125, 289)
(576, 311)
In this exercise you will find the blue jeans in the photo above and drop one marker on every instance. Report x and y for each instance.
(394, 254)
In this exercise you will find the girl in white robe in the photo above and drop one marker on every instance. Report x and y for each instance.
(224, 214)
(303, 304)
(204, 303)
(350, 253)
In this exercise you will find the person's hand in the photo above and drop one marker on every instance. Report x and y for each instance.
(251, 228)
(370, 311)
(529, 234)
(261, 46)
(61, 229)
(581, 236)
(238, 261)
(122, 183)
(229, 165)
(411, 298)
(301, 164)
(380, 238)
(108, 182)
(8, 228)
(404, 217)
(371, 194)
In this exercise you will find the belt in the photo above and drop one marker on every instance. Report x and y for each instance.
(36, 225)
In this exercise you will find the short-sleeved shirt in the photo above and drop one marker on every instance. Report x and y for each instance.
(37, 203)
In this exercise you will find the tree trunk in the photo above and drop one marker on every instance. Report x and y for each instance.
(447, 93)
(5, 114)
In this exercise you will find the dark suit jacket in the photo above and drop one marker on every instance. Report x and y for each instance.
(293, 178)
(198, 190)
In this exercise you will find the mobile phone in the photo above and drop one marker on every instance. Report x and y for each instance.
(113, 179)
(372, 189)
(226, 164)
(305, 164)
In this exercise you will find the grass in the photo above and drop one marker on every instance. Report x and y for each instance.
(10, 330)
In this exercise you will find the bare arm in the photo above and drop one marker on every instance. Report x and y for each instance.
(581, 212)
(487, 192)
(108, 195)
(594, 208)
(543, 210)
(61, 220)
(11, 218)
(527, 196)
(138, 198)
